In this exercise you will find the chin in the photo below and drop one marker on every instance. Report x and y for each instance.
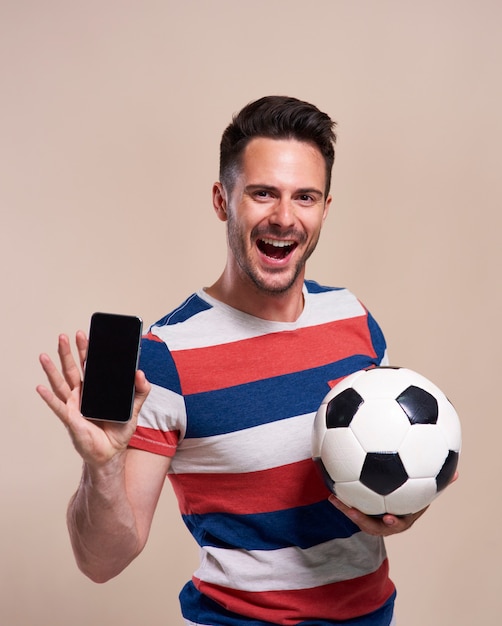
(276, 285)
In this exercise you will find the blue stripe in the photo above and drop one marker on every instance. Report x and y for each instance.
(193, 305)
(304, 527)
(262, 402)
(314, 287)
(158, 365)
(377, 338)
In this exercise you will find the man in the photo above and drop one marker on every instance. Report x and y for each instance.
(228, 386)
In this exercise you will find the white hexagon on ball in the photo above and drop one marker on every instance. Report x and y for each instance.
(373, 434)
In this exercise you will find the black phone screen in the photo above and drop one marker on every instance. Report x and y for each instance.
(110, 367)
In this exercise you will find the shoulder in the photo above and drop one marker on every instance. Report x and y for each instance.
(196, 323)
(156, 357)
(336, 302)
(339, 303)
(314, 287)
(192, 306)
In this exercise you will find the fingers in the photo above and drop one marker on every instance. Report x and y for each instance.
(82, 343)
(63, 393)
(51, 400)
(71, 372)
(62, 400)
(62, 382)
(381, 526)
(142, 389)
(397, 524)
(141, 384)
(56, 381)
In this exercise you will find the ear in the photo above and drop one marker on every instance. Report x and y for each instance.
(327, 204)
(220, 201)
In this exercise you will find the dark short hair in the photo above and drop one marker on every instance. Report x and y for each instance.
(276, 117)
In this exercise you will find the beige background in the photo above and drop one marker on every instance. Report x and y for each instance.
(110, 117)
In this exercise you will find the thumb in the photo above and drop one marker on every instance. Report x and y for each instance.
(142, 389)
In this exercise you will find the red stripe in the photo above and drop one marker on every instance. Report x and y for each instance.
(333, 383)
(151, 337)
(156, 441)
(337, 601)
(240, 362)
(288, 486)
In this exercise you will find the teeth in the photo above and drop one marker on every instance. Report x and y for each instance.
(277, 243)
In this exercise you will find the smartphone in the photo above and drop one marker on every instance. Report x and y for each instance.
(110, 367)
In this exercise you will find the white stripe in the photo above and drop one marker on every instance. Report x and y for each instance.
(330, 306)
(272, 570)
(250, 450)
(228, 324)
(153, 411)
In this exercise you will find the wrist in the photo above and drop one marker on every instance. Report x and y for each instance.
(104, 476)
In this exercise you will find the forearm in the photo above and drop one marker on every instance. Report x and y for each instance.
(101, 522)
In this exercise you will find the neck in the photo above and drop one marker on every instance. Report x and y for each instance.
(276, 307)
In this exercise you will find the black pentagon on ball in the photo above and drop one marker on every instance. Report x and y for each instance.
(342, 408)
(419, 405)
(328, 481)
(383, 472)
(446, 473)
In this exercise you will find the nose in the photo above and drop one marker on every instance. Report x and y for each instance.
(283, 214)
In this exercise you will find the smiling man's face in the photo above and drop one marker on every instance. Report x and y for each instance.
(275, 212)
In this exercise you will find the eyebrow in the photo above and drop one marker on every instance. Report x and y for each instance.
(301, 190)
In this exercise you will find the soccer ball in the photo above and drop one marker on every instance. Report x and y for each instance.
(386, 440)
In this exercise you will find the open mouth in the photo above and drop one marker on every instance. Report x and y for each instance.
(276, 248)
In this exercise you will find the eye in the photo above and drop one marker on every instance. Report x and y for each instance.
(262, 194)
(306, 198)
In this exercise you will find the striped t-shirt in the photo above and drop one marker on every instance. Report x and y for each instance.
(233, 400)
